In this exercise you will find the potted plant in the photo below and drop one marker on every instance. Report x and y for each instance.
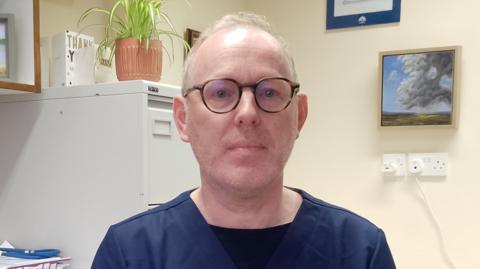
(132, 33)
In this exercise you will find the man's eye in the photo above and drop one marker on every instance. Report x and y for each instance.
(270, 93)
(221, 93)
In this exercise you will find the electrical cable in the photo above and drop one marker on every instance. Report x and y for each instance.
(443, 247)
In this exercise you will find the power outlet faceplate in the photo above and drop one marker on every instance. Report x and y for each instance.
(428, 164)
(394, 165)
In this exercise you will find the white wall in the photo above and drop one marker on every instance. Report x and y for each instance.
(338, 155)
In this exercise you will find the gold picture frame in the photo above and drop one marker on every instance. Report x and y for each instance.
(191, 36)
(419, 87)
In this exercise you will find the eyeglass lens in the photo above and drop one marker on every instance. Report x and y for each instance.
(223, 95)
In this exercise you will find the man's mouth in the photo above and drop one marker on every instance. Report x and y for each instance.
(246, 146)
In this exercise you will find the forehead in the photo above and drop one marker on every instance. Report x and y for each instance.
(242, 53)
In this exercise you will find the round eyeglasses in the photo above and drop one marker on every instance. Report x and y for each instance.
(272, 95)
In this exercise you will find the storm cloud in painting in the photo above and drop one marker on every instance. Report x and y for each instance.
(427, 82)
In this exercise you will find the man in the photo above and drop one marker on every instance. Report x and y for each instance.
(241, 112)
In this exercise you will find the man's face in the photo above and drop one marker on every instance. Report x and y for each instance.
(245, 149)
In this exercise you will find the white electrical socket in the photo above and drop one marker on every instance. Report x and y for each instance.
(428, 164)
(394, 165)
(415, 165)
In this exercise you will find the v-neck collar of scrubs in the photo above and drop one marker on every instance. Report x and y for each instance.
(207, 243)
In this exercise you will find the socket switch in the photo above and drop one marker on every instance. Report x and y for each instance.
(394, 165)
(428, 164)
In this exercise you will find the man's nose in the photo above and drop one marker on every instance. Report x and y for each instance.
(247, 111)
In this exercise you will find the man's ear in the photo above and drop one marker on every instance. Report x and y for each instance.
(302, 104)
(180, 117)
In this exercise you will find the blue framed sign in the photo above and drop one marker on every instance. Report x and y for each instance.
(351, 13)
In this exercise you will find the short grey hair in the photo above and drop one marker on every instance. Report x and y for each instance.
(231, 21)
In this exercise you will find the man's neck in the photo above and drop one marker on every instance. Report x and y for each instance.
(271, 208)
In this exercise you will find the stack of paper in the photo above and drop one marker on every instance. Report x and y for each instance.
(17, 263)
(11, 263)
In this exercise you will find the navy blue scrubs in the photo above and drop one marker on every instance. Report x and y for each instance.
(176, 236)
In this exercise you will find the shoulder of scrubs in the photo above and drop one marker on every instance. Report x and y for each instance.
(352, 240)
(118, 249)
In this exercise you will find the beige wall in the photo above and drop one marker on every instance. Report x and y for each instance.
(338, 156)
(60, 15)
(200, 15)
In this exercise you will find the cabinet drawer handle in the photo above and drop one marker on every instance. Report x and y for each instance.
(161, 127)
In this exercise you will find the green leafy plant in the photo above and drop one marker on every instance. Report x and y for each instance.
(140, 19)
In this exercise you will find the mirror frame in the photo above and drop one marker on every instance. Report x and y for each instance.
(36, 57)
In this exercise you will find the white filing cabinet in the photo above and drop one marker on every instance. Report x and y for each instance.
(75, 160)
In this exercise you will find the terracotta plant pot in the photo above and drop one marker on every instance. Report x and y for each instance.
(134, 61)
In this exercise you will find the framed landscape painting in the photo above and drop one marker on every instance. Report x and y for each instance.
(419, 87)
